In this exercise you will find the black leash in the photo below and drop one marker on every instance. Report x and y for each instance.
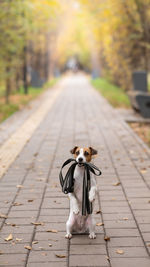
(67, 183)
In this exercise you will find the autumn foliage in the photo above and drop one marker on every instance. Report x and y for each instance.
(111, 36)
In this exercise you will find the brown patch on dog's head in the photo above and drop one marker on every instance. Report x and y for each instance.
(89, 152)
(75, 151)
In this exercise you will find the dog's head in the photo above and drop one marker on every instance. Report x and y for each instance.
(83, 154)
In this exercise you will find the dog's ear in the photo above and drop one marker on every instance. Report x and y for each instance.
(72, 151)
(93, 151)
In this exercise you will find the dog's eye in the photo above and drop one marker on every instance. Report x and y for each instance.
(77, 153)
(86, 153)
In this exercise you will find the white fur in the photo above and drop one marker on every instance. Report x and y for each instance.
(76, 221)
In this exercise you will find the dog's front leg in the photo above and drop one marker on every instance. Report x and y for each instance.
(92, 193)
(69, 225)
(73, 204)
(93, 190)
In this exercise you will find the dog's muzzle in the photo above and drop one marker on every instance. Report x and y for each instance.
(80, 162)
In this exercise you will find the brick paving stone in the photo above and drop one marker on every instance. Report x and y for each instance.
(44, 256)
(125, 209)
(88, 249)
(88, 260)
(130, 262)
(47, 264)
(125, 241)
(122, 232)
(128, 252)
(12, 259)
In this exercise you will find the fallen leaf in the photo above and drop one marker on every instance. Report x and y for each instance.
(148, 244)
(107, 258)
(18, 239)
(116, 184)
(19, 186)
(11, 224)
(28, 247)
(143, 170)
(50, 245)
(35, 242)
(10, 237)
(30, 200)
(1, 252)
(3, 216)
(60, 256)
(99, 224)
(41, 248)
(17, 204)
(119, 251)
(52, 231)
(98, 211)
(125, 218)
(37, 223)
(107, 238)
(44, 254)
(35, 154)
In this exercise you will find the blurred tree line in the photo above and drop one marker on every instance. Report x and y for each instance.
(121, 29)
(27, 34)
(112, 36)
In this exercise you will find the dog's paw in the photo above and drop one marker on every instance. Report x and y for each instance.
(91, 197)
(68, 236)
(76, 210)
(92, 235)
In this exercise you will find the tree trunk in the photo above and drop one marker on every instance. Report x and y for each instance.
(25, 82)
(8, 86)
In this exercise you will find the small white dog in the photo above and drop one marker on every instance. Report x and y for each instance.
(76, 221)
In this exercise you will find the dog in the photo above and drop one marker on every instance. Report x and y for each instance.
(76, 221)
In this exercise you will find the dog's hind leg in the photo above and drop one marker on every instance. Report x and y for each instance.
(69, 225)
(91, 226)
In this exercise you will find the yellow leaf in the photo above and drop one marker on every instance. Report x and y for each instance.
(19, 186)
(125, 218)
(99, 224)
(52, 231)
(116, 184)
(28, 247)
(98, 212)
(35, 242)
(17, 204)
(3, 216)
(60, 256)
(107, 238)
(37, 223)
(119, 251)
(10, 237)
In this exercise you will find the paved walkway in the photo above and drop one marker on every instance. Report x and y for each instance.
(33, 209)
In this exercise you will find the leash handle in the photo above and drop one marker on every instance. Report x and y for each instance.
(67, 184)
(92, 168)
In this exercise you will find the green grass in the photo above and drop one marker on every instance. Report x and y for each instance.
(18, 100)
(7, 110)
(115, 95)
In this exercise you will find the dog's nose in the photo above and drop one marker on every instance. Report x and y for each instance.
(80, 159)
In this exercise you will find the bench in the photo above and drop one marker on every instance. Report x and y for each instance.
(139, 96)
